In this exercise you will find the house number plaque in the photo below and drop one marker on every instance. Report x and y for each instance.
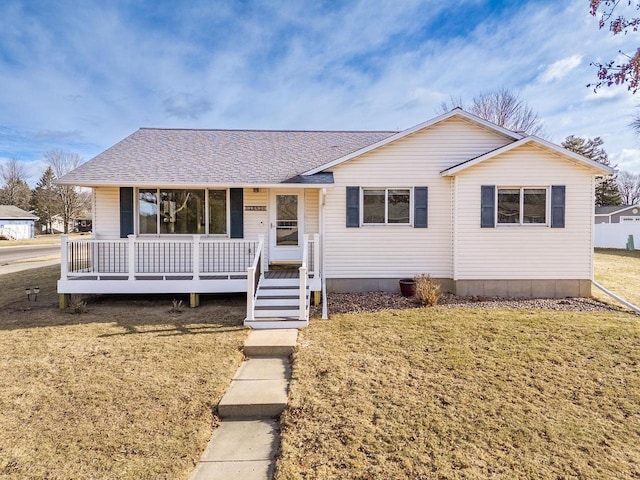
(255, 208)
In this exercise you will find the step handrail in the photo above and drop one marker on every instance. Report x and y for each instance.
(254, 272)
(303, 279)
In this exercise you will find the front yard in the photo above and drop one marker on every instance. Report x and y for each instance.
(452, 393)
(618, 271)
(126, 390)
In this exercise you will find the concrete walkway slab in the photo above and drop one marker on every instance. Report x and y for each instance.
(243, 441)
(254, 398)
(254, 470)
(271, 342)
(264, 368)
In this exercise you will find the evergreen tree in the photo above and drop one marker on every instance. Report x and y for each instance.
(607, 192)
(45, 200)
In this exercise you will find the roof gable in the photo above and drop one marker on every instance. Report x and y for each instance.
(596, 167)
(456, 112)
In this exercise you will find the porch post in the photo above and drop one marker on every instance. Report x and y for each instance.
(251, 275)
(261, 246)
(132, 257)
(316, 254)
(64, 257)
(196, 257)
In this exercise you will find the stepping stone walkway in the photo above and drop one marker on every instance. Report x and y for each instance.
(244, 446)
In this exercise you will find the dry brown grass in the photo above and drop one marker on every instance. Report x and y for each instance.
(125, 390)
(437, 393)
(618, 271)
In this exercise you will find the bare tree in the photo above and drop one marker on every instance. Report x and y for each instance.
(15, 190)
(629, 187)
(71, 203)
(503, 108)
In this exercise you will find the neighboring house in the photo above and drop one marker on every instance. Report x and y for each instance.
(617, 227)
(57, 225)
(618, 214)
(16, 224)
(484, 210)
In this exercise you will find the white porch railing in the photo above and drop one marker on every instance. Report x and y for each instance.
(254, 272)
(135, 257)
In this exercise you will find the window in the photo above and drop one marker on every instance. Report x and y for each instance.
(520, 206)
(176, 211)
(386, 206)
(148, 211)
(217, 212)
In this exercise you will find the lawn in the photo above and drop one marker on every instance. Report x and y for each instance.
(618, 271)
(53, 239)
(126, 390)
(454, 393)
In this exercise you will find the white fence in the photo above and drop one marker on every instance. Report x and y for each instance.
(615, 235)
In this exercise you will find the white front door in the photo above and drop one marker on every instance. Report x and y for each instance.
(286, 225)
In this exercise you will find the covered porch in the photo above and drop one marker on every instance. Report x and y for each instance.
(194, 264)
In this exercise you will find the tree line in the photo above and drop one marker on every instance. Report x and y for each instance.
(47, 199)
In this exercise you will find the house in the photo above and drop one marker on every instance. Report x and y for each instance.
(617, 214)
(617, 227)
(16, 224)
(484, 210)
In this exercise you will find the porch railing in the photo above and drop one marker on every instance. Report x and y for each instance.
(136, 257)
(254, 272)
(313, 255)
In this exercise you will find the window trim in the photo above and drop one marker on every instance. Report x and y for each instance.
(172, 235)
(547, 206)
(386, 207)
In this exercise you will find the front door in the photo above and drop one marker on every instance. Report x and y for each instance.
(286, 225)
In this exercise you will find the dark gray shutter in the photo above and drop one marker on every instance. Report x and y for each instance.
(126, 211)
(236, 208)
(488, 206)
(420, 206)
(557, 206)
(353, 207)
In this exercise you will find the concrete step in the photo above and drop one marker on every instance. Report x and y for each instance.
(254, 399)
(280, 342)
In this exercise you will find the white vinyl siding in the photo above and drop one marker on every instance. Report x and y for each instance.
(522, 252)
(401, 250)
(106, 216)
(311, 209)
(257, 222)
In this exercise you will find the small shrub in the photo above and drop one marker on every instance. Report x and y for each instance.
(427, 291)
(177, 306)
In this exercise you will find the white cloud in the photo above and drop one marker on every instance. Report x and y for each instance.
(627, 159)
(560, 69)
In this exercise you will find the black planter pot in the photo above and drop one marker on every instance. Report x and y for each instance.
(407, 287)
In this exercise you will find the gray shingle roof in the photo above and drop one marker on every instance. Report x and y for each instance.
(153, 156)
(609, 209)
(13, 212)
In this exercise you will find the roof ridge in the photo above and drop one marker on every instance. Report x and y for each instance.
(267, 130)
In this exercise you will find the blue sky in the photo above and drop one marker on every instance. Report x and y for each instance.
(83, 75)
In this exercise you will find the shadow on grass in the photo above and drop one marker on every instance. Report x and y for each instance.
(135, 313)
